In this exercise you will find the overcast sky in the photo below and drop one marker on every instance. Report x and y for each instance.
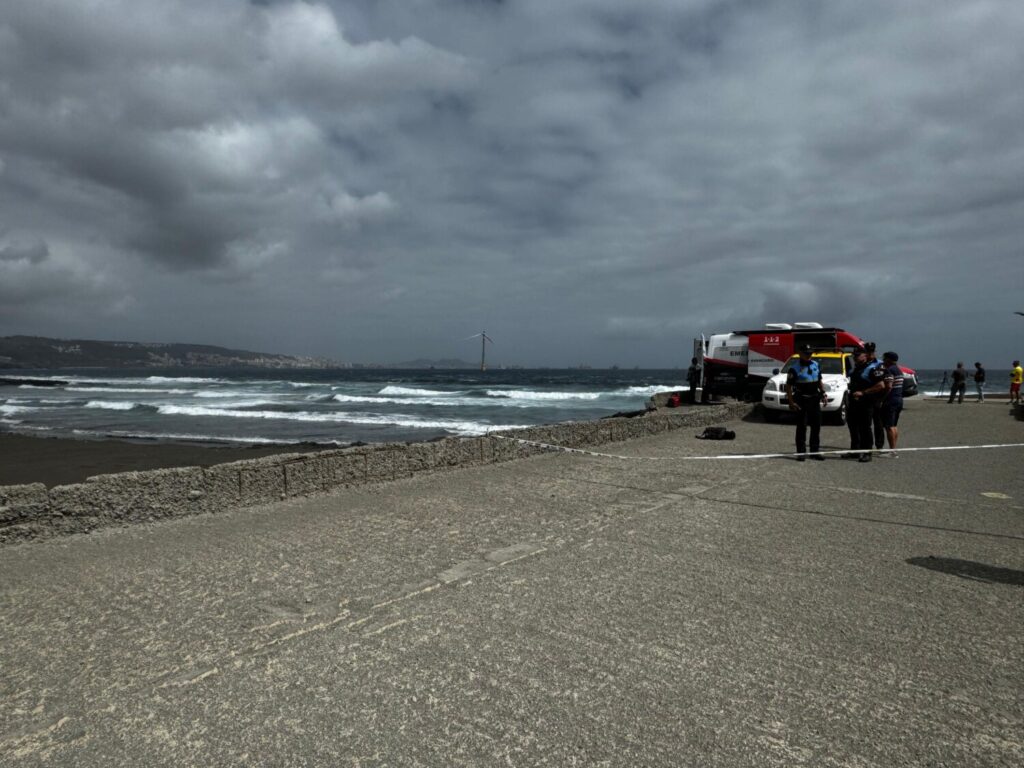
(592, 181)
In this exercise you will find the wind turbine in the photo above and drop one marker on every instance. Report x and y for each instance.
(484, 338)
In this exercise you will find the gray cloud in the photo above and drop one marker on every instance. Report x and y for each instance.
(595, 181)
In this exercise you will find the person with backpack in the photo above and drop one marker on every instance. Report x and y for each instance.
(979, 382)
(806, 394)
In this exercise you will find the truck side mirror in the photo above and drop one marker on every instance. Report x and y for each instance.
(775, 371)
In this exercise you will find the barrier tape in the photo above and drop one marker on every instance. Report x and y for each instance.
(738, 456)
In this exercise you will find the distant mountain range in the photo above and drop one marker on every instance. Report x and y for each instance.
(38, 352)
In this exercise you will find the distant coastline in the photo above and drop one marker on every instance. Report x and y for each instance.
(41, 353)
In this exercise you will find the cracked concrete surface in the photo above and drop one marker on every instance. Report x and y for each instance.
(560, 610)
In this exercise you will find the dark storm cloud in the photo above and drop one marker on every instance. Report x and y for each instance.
(32, 253)
(595, 181)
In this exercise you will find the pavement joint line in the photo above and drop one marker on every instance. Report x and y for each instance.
(740, 456)
(862, 519)
(907, 496)
(703, 497)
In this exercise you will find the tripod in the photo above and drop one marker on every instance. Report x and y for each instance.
(944, 384)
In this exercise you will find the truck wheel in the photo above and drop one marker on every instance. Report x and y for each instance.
(770, 415)
(839, 417)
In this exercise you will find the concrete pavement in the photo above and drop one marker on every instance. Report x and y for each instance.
(559, 610)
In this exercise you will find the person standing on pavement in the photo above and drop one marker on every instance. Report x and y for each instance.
(1016, 376)
(979, 382)
(892, 402)
(806, 393)
(959, 385)
(862, 391)
(693, 380)
(877, 373)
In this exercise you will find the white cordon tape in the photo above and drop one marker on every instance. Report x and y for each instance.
(728, 456)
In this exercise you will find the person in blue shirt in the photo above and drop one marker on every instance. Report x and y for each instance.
(892, 402)
(806, 393)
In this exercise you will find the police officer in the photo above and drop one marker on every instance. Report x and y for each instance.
(867, 384)
(806, 393)
(875, 373)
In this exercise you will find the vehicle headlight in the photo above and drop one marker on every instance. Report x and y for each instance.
(832, 386)
(770, 387)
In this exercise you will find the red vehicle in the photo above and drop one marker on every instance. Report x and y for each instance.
(738, 364)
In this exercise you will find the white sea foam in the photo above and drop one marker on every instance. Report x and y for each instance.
(372, 399)
(12, 409)
(194, 437)
(203, 410)
(445, 401)
(392, 390)
(130, 390)
(397, 420)
(226, 393)
(451, 425)
(111, 405)
(182, 380)
(650, 390)
(529, 394)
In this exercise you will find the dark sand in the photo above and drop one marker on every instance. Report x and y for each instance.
(59, 461)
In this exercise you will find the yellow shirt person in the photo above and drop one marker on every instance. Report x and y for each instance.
(1016, 376)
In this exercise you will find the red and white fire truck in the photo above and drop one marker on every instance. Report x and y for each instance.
(739, 363)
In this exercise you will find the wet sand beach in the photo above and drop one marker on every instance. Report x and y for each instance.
(60, 461)
(564, 609)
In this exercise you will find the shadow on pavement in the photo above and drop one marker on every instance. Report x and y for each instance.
(968, 569)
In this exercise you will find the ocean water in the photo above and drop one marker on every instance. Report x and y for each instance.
(332, 407)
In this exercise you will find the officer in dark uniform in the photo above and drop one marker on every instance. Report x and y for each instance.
(866, 386)
(876, 373)
(806, 393)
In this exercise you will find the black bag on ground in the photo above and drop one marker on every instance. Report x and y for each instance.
(717, 433)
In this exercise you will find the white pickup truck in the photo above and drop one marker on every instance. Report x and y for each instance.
(834, 369)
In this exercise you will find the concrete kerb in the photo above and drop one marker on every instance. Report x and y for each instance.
(32, 511)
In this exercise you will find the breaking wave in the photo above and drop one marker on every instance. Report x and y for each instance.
(397, 420)
(199, 438)
(392, 390)
(650, 390)
(9, 410)
(111, 405)
(129, 390)
(183, 380)
(529, 394)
